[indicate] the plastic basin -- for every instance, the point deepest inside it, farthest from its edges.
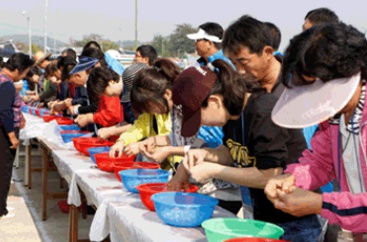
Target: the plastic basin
(220, 229)
(136, 165)
(249, 239)
(77, 141)
(25, 109)
(32, 110)
(107, 163)
(64, 120)
(68, 135)
(95, 150)
(42, 112)
(49, 118)
(70, 127)
(93, 142)
(148, 189)
(134, 177)
(181, 209)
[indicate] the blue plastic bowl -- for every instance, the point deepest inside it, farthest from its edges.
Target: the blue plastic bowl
(44, 112)
(25, 109)
(70, 127)
(33, 111)
(96, 150)
(68, 135)
(134, 177)
(182, 209)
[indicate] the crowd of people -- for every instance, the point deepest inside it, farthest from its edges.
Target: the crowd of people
(248, 124)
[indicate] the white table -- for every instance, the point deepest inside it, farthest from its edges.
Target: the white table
(120, 213)
(34, 127)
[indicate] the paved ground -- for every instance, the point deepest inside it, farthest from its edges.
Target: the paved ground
(25, 222)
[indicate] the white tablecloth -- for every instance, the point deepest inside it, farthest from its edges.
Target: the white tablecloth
(120, 213)
(141, 224)
(34, 127)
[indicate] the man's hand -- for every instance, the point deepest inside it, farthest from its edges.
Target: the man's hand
(299, 203)
(285, 183)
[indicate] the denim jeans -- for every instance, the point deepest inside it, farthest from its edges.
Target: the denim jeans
(307, 229)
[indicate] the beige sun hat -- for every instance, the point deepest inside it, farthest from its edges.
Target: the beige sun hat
(40, 56)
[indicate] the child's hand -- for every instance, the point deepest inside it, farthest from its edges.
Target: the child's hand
(204, 171)
(159, 155)
(147, 146)
(194, 157)
(117, 148)
(105, 132)
(132, 149)
(84, 119)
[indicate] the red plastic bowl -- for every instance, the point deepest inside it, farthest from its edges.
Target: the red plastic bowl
(64, 120)
(49, 118)
(136, 165)
(77, 142)
(252, 239)
(64, 206)
(107, 163)
(148, 189)
(93, 142)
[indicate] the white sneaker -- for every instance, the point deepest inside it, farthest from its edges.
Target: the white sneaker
(10, 209)
(9, 215)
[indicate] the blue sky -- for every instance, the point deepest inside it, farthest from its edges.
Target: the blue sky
(115, 19)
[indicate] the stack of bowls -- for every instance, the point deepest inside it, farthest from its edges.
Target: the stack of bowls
(148, 189)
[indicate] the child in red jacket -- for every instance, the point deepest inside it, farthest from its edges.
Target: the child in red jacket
(105, 85)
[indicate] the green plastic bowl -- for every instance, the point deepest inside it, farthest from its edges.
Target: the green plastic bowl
(220, 229)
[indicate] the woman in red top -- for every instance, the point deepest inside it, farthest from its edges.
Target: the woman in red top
(105, 85)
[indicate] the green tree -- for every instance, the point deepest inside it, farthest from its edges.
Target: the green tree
(105, 44)
(179, 43)
(161, 44)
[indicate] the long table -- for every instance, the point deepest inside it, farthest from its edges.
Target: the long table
(120, 214)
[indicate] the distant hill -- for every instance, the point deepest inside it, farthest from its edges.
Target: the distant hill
(38, 40)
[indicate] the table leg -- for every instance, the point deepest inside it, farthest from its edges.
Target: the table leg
(44, 183)
(28, 166)
(73, 223)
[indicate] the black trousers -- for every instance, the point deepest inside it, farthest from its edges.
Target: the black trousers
(7, 156)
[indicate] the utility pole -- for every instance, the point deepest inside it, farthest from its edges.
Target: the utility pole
(45, 35)
(136, 24)
(29, 34)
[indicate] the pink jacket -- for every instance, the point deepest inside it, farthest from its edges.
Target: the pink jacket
(320, 166)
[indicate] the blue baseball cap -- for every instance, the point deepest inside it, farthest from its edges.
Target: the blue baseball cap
(84, 63)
